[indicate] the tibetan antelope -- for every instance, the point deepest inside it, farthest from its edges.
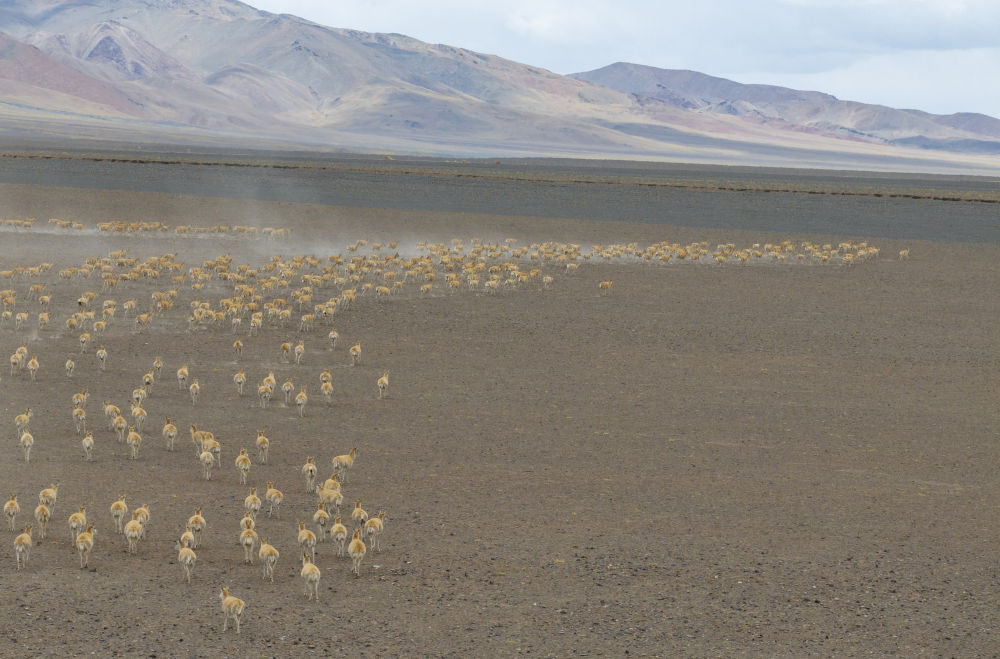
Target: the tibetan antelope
(207, 461)
(42, 515)
(264, 391)
(248, 540)
(80, 419)
(169, 434)
(197, 524)
(22, 547)
(187, 538)
(356, 550)
(88, 446)
(332, 483)
(307, 540)
(134, 441)
(310, 575)
(268, 557)
(240, 380)
(342, 463)
(120, 426)
(85, 544)
(11, 510)
(243, 465)
(263, 444)
(300, 400)
(338, 532)
(321, 519)
(252, 503)
(80, 398)
(187, 558)
(274, 497)
(359, 515)
(373, 530)
(329, 497)
(27, 441)
(15, 363)
(49, 495)
(110, 412)
(139, 395)
(232, 607)
(77, 522)
(138, 416)
(22, 421)
(309, 472)
(118, 511)
(143, 514)
(133, 532)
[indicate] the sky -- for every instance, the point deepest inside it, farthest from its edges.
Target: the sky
(940, 56)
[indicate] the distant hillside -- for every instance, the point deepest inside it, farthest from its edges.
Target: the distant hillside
(209, 70)
(30, 76)
(698, 92)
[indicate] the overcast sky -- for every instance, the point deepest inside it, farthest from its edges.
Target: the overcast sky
(941, 56)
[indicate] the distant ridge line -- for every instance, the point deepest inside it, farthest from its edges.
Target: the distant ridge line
(221, 74)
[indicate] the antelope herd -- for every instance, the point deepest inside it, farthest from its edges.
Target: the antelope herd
(265, 304)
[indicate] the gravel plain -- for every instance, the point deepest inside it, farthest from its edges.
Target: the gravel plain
(776, 459)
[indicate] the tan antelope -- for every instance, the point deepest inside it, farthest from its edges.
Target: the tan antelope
(232, 607)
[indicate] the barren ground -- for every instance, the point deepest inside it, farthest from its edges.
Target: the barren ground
(767, 460)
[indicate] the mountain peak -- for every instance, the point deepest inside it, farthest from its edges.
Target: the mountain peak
(808, 109)
(221, 64)
(30, 76)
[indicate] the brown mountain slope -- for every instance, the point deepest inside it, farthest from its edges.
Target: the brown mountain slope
(222, 65)
(29, 75)
(703, 93)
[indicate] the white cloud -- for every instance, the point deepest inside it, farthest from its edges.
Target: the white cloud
(555, 22)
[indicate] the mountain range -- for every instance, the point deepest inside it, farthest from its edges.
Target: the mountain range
(222, 72)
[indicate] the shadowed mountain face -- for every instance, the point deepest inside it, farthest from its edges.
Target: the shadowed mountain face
(209, 70)
(29, 76)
